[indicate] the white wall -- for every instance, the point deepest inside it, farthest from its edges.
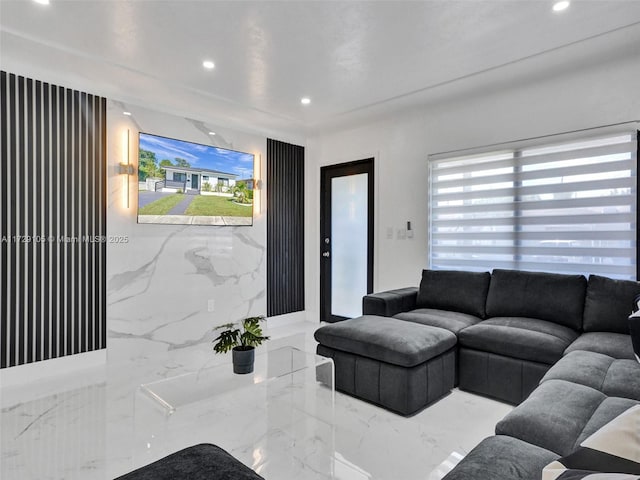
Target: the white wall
(160, 278)
(572, 100)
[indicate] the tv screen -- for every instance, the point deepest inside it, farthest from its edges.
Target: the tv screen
(184, 183)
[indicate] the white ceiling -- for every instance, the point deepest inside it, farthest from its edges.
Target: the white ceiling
(353, 59)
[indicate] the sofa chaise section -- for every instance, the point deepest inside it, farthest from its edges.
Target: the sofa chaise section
(533, 318)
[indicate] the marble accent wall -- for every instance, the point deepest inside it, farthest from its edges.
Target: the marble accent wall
(161, 279)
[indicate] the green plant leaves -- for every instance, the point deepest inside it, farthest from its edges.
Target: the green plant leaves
(226, 340)
(251, 335)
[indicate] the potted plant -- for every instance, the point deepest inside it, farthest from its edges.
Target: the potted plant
(241, 338)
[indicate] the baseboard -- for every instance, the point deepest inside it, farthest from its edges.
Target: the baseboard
(287, 319)
(46, 369)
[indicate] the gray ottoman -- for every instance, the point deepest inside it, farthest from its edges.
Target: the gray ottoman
(399, 365)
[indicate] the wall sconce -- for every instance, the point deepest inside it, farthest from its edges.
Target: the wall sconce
(125, 168)
(257, 185)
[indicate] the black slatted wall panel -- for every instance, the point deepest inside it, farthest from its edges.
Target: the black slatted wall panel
(285, 228)
(53, 220)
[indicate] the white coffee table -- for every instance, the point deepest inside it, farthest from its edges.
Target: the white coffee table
(290, 364)
(278, 420)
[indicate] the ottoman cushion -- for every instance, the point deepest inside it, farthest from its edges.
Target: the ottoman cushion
(199, 462)
(386, 339)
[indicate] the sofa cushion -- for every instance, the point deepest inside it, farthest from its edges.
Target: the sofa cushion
(502, 458)
(456, 291)
(558, 415)
(614, 449)
(548, 296)
(613, 377)
(452, 321)
(616, 345)
(387, 339)
(517, 337)
(553, 416)
(608, 304)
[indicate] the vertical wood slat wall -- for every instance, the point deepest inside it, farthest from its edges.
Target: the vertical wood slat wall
(53, 221)
(285, 228)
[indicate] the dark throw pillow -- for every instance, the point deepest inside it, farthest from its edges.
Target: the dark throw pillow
(608, 304)
(634, 327)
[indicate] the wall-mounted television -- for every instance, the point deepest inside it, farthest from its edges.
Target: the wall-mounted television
(185, 183)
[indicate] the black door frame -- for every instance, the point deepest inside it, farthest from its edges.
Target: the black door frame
(326, 174)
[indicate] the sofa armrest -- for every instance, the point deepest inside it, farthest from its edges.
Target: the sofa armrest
(391, 302)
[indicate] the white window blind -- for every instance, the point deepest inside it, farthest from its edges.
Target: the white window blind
(565, 207)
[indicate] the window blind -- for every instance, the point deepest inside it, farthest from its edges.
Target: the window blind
(566, 207)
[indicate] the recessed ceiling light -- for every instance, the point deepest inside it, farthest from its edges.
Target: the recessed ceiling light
(208, 64)
(560, 6)
(305, 100)
(128, 114)
(212, 133)
(42, 2)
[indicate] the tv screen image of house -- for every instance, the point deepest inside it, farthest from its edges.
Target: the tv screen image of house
(185, 183)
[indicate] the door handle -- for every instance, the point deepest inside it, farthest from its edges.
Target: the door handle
(326, 254)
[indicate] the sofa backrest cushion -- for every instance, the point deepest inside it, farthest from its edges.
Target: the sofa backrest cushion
(553, 297)
(609, 303)
(455, 291)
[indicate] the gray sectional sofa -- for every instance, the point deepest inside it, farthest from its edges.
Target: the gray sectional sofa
(512, 326)
(557, 346)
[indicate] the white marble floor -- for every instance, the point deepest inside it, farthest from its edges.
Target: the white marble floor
(94, 425)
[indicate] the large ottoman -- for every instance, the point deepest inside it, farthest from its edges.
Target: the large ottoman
(399, 365)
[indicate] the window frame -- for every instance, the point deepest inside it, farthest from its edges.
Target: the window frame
(517, 154)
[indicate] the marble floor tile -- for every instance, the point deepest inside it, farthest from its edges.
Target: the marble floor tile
(95, 425)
